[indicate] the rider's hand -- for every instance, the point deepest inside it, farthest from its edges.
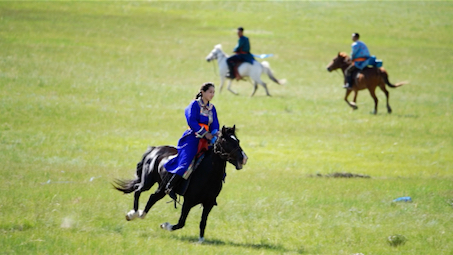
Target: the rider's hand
(208, 136)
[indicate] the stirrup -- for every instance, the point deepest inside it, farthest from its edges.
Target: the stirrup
(172, 194)
(347, 86)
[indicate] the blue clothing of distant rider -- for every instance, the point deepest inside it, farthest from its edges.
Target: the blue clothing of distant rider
(360, 56)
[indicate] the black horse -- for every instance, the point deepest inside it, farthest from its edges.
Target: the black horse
(205, 182)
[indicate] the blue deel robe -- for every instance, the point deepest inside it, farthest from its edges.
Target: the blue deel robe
(187, 147)
(360, 50)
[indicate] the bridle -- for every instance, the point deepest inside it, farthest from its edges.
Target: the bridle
(224, 154)
(213, 58)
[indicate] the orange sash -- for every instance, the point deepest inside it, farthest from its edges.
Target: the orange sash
(358, 60)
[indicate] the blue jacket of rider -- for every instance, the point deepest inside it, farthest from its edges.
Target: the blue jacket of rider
(242, 49)
(360, 51)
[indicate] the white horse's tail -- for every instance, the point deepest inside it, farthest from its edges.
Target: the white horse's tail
(268, 70)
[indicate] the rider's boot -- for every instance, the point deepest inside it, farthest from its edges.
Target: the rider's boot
(175, 179)
(230, 74)
(348, 84)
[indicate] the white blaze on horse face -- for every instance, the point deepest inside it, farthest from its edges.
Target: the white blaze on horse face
(244, 161)
(234, 137)
(210, 56)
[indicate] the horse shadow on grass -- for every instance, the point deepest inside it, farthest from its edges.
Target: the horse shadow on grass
(260, 246)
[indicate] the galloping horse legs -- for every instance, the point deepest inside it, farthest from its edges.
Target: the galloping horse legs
(222, 81)
(356, 92)
(184, 213)
(346, 99)
(204, 218)
(255, 87)
(229, 87)
(156, 196)
(136, 199)
(387, 95)
(133, 214)
(373, 95)
(264, 86)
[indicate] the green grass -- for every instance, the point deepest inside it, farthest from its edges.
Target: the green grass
(85, 87)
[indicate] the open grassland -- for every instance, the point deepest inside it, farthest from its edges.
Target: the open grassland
(86, 87)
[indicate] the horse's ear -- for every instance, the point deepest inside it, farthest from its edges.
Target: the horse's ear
(223, 130)
(234, 128)
(339, 53)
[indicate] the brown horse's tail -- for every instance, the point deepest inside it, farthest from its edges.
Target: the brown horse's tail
(385, 76)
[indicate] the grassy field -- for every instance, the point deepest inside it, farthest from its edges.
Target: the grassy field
(85, 87)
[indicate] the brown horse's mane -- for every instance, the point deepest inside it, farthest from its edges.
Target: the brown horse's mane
(344, 55)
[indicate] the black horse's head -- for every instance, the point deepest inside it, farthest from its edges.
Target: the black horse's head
(228, 148)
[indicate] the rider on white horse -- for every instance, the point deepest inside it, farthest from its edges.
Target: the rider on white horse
(242, 51)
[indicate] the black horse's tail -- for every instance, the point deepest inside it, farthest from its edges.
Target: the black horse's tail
(126, 186)
(129, 186)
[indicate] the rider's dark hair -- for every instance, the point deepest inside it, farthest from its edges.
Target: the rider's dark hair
(241, 28)
(204, 88)
(356, 35)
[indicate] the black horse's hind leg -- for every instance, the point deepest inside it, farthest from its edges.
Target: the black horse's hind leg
(389, 109)
(156, 196)
(136, 199)
(204, 218)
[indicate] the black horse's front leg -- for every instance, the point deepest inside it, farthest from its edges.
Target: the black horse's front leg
(182, 219)
(204, 218)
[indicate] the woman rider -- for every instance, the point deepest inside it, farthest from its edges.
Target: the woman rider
(203, 124)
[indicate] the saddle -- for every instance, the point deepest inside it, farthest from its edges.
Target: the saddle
(355, 74)
(181, 188)
(236, 65)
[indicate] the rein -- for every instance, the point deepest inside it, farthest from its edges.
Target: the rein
(214, 65)
(223, 154)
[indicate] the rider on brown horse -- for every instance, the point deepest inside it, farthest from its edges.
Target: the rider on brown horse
(360, 56)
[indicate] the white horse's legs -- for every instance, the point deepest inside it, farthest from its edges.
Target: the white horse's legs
(132, 215)
(255, 87)
(229, 87)
(222, 81)
(264, 86)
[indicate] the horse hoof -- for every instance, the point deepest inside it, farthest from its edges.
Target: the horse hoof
(131, 215)
(166, 226)
(141, 214)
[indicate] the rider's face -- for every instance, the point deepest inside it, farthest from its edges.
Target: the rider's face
(208, 94)
(240, 33)
(354, 38)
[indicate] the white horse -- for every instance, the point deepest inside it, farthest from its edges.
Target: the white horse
(245, 69)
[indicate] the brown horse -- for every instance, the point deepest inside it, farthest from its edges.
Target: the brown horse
(368, 78)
